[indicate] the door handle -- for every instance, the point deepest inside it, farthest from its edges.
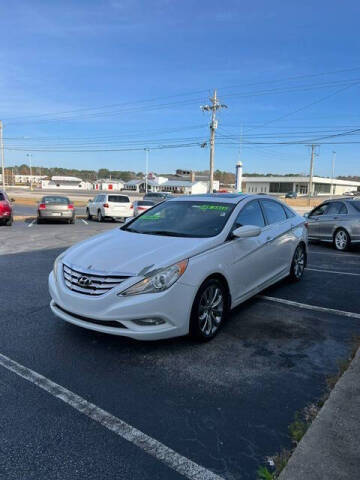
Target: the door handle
(269, 239)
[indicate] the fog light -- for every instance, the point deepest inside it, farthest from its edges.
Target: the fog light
(149, 321)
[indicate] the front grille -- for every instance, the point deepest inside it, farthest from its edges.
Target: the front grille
(90, 284)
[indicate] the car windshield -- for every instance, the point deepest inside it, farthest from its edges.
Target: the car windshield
(183, 219)
(55, 200)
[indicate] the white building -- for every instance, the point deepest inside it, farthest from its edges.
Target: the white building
(109, 185)
(163, 184)
(65, 183)
(281, 185)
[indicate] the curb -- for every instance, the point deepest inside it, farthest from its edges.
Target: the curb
(330, 448)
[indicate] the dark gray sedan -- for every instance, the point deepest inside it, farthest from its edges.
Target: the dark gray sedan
(336, 221)
(55, 207)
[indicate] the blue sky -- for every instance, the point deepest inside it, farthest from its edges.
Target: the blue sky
(133, 73)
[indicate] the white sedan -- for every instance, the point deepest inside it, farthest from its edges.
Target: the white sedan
(179, 267)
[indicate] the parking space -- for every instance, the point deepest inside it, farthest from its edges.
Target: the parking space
(223, 405)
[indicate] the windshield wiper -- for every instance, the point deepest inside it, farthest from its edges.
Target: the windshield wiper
(167, 233)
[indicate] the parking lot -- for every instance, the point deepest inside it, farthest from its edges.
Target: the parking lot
(223, 406)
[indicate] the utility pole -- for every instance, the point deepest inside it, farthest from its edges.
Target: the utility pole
(29, 155)
(333, 172)
(2, 155)
(311, 172)
(146, 168)
(215, 105)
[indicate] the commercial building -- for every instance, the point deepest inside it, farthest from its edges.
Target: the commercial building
(66, 183)
(281, 185)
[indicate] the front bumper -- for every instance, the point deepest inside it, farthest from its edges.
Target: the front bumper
(103, 313)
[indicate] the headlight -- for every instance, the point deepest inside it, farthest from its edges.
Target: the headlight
(56, 264)
(158, 281)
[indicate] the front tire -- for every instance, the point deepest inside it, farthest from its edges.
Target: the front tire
(9, 221)
(341, 240)
(209, 310)
(298, 264)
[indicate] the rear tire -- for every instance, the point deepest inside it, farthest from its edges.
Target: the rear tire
(341, 240)
(72, 221)
(298, 264)
(9, 221)
(88, 216)
(39, 220)
(99, 216)
(209, 310)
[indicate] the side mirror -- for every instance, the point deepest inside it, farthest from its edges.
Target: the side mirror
(306, 215)
(127, 220)
(246, 231)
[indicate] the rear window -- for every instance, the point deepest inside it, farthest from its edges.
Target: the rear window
(55, 200)
(274, 211)
(144, 203)
(2, 198)
(118, 199)
(356, 205)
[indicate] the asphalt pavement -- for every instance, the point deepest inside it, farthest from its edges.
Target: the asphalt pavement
(224, 405)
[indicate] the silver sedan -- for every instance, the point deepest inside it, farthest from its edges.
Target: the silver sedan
(337, 222)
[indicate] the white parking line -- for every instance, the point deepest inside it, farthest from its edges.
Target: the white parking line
(86, 223)
(32, 223)
(332, 271)
(311, 307)
(161, 452)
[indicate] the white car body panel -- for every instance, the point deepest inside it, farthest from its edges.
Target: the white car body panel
(247, 264)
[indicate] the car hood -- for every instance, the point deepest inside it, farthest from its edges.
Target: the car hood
(124, 252)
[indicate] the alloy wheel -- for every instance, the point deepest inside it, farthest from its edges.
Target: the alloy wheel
(211, 310)
(341, 240)
(299, 262)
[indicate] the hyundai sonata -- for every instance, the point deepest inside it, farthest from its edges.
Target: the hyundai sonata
(179, 267)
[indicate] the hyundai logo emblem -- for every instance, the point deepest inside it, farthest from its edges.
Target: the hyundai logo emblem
(84, 281)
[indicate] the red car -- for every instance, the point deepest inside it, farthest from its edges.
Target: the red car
(6, 213)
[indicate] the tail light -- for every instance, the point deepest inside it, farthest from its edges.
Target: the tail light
(141, 208)
(306, 225)
(71, 206)
(106, 205)
(42, 206)
(131, 207)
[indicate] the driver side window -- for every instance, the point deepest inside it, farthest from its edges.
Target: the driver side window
(319, 210)
(250, 214)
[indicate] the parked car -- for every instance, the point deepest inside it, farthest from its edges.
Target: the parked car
(180, 267)
(55, 207)
(109, 206)
(337, 222)
(140, 206)
(350, 193)
(158, 196)
(291, 195)
(6, 211)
